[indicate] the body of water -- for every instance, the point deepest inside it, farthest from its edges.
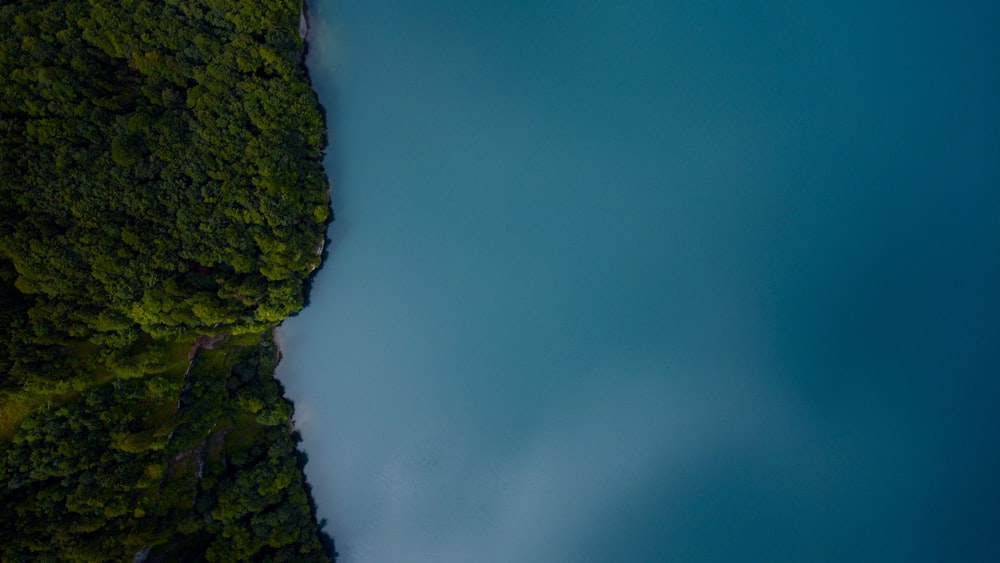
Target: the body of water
(656, 281)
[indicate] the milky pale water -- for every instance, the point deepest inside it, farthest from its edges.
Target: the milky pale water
(656, 281)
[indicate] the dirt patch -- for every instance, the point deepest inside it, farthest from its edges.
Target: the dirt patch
(206, 342)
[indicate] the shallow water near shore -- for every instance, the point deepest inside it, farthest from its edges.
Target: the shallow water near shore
(652, 282)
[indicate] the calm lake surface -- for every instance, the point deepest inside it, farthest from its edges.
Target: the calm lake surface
(656, 281)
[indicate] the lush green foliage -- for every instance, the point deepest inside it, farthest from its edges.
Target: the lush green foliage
(196, 467)
(159, 165)
(160, 181)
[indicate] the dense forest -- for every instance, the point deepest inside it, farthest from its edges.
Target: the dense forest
(162, 206)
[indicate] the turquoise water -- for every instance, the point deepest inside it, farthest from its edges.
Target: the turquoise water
(656, 281)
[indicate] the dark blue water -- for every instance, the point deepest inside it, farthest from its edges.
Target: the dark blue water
(656, 281)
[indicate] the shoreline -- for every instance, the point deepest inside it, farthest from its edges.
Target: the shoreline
(302, 457)
(303, 22)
